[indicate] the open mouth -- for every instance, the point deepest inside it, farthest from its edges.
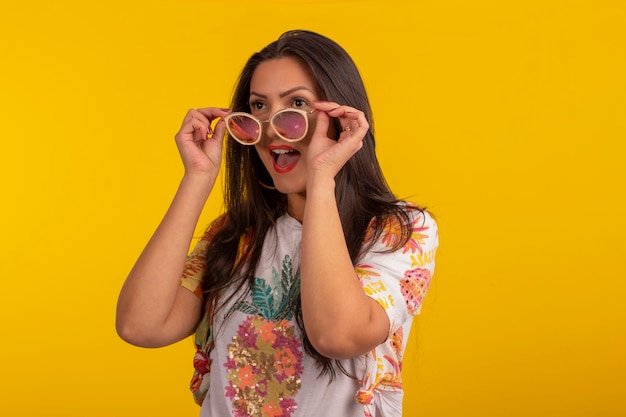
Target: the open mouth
(285, 159)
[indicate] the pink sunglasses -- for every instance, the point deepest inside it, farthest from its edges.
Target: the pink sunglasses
(291, 125)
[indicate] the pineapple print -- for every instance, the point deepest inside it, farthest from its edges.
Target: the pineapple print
(414, 286)
(265, 357)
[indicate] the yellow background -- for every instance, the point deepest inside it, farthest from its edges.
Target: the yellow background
(505, 118)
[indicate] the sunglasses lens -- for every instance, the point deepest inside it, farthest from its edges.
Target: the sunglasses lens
(244, 129)
(290, 125)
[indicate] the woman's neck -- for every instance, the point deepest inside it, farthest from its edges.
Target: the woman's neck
(295, 205)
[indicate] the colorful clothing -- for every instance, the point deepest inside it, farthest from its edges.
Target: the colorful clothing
(251, 362)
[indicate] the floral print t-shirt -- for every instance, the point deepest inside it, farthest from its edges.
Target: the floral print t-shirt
(252, 362)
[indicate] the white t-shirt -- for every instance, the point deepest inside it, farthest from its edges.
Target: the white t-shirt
(258, 366)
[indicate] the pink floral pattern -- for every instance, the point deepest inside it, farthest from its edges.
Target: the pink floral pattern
(264, 369)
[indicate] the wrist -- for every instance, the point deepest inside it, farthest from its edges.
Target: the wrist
(317, 185)
(200, 182)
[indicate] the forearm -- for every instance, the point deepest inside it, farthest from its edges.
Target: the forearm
(148, 298)
(339, 318)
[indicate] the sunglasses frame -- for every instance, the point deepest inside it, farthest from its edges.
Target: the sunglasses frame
(304, 113)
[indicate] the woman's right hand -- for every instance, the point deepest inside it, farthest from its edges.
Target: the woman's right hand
(199, 145)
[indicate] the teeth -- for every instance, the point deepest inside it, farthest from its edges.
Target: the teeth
(281, 151)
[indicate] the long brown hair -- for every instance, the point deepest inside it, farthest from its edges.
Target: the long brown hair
(362, 193)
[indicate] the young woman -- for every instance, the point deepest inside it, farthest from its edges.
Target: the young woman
(301, 295)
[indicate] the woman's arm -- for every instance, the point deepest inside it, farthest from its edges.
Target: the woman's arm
(153, 309)
(341, 321)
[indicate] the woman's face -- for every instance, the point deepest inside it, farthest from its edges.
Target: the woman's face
(278, 84)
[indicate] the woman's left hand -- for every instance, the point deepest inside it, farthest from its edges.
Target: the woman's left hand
(326, 155)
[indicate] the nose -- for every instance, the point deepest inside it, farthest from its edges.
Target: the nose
(268, 133)
(267, 130)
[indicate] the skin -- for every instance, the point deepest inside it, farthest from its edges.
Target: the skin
(153, 310)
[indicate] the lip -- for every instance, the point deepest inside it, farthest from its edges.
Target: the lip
(286, 168)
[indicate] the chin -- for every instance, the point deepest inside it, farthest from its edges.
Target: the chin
(289, 187)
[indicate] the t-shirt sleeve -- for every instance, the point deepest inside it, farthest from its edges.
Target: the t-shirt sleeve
(195, 266)
(399, 280)
(196, 261)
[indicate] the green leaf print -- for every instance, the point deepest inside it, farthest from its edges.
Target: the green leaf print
(247, 308)
(290, 287)
(262, 297)
(287, 280)
(273, 301)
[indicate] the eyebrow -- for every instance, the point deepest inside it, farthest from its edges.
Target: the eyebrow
(286, 93)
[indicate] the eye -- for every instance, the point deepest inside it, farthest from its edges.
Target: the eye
(257, 105)
(300, 102)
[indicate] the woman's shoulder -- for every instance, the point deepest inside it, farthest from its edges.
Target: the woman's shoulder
(405, 214)
(214, 228)
(401, 225)
(421, 216)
